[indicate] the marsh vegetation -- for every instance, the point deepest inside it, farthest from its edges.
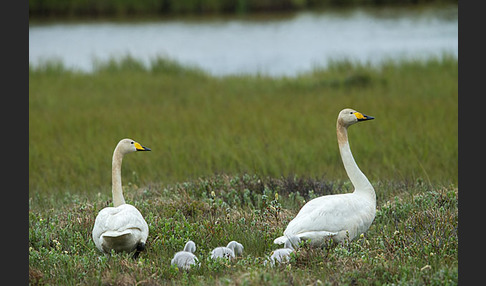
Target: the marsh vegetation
(222, 149)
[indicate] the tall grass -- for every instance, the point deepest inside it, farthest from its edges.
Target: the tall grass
(198, 125)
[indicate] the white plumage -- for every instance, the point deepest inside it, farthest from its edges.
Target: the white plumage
(229, 252)
(340, 216)
(186, 258)
(282, 255)
(121, 227)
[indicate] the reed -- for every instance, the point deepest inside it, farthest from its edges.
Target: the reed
(199, 125)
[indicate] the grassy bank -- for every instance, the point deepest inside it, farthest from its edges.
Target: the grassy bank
(124, 8)
(413, 240)
(198, 125)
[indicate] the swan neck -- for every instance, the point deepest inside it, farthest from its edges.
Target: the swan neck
(116, 187)
(358, 179)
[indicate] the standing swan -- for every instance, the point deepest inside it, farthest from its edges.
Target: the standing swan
(121, 227)
(340, 216)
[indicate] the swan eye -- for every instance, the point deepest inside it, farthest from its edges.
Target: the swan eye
(351, 112)
(131, 142)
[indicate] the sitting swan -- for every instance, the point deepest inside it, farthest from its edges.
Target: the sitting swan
(229, 252)
(339, 216)
(186, 258)
(121, 227)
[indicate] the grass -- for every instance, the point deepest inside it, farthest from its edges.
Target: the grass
(198, 125)
(413, 239)
(222, 147)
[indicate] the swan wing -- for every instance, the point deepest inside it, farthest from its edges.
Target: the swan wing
(330, 215)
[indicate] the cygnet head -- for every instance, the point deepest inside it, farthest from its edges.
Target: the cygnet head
(127, 145)
(348, 117)
(190, 246)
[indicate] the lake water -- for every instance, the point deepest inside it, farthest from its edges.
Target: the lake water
(279, 45)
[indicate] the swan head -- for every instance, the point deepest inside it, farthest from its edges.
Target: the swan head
(127, 145)
(348, 117)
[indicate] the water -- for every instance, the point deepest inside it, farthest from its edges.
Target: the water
(275, 46)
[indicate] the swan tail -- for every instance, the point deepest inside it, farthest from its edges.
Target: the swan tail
(120, 241)
(113, 234)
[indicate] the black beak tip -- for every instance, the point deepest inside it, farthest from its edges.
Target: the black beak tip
(366, 117)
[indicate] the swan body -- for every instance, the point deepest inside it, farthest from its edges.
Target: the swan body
(229, 252)
(282, 255)
(186, 258)
(121, 227)
(339, 216)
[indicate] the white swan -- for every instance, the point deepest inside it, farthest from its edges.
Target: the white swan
(340, 216)
(186, 258)
(121, 227)
(282, 255)
(229, 252)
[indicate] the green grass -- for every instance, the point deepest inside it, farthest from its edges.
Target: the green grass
(413, 239)
(244, 138)
(198, 125)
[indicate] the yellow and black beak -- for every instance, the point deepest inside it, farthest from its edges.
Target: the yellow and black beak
(140, 147)
(362, 117)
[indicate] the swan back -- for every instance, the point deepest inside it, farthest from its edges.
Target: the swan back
(185, 259)
(119, 228)
(222, 252)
